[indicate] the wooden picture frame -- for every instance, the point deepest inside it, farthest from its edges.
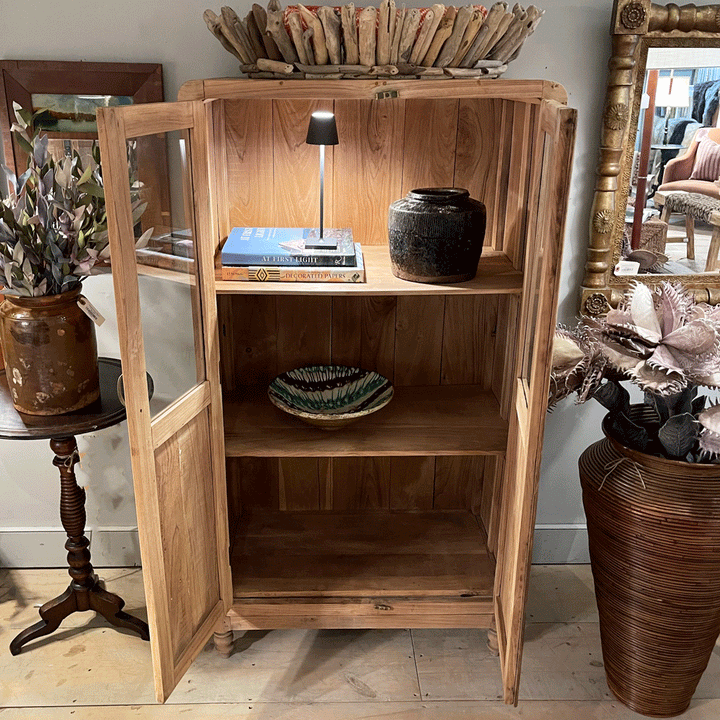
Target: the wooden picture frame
(134, 82)
(21, 79)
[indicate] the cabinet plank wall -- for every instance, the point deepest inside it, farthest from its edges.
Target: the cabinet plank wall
(387, 148)
(248, 147)
(414, 341)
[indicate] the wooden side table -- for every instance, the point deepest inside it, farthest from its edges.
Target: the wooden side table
(85, 591)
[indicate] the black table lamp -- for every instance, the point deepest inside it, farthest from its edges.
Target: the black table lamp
(322, 131)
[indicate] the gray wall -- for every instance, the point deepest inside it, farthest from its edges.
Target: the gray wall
(571, 46)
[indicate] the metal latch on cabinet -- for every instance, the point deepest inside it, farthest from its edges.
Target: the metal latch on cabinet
(386, 94)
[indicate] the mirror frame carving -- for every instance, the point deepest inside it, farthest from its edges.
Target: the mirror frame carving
(637, 25)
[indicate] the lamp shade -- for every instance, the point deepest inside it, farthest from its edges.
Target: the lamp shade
(322, 129)
(673, 92)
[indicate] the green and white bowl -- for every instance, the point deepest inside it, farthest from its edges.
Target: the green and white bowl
(330, 396)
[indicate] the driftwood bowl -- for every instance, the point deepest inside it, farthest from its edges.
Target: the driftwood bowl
(351, 43)
(330, 396)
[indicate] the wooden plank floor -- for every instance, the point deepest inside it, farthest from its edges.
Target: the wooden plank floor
(88, 671)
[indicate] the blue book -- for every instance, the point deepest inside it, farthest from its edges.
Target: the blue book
(286, 246)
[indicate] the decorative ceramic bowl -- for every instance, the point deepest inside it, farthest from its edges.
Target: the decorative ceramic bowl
(330, 396)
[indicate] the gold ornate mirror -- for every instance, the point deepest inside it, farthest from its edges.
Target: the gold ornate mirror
(656, 210)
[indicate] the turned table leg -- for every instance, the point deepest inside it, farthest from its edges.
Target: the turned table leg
(85, 591)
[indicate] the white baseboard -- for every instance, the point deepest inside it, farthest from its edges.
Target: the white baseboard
(45, 547)
(119, 547)
(560, 545)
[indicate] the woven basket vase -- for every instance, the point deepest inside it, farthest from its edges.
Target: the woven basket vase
(655, 554)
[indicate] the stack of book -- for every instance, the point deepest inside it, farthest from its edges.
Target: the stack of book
(281, 255)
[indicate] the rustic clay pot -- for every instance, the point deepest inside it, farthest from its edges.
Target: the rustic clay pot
(654, 535)
(50, 353)
(436, 235)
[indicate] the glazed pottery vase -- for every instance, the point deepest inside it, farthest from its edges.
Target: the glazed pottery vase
(50, 353)
(654, 535)
(436, 235)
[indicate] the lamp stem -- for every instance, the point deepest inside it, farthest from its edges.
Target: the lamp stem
(322, 186)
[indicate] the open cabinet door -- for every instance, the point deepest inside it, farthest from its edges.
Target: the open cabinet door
(167, 327)
(552, 158)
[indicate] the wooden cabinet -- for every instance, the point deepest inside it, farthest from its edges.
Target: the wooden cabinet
(421, 515)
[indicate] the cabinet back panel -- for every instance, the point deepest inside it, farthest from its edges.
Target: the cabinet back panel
(249, 161)
(387, 147)
(431, 128)
(412, 340)
(361, 483)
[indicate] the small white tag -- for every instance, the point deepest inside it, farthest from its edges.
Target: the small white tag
(627, 267)
(91, 311)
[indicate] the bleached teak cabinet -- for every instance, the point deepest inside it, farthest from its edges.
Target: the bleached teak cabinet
(418, 516)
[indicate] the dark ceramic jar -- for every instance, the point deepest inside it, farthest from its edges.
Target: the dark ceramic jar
(436, 235)
(50, 353)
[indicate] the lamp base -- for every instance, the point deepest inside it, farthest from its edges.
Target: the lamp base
(330, 239)
(321, 243)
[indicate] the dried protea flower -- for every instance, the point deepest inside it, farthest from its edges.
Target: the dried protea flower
(710, 434)
(666, 344)
(577, 365)
(658, 341)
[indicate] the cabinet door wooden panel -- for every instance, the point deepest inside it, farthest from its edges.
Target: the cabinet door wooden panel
(177, 438)
(552, 158)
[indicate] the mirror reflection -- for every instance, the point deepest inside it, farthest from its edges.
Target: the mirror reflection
(672, 219)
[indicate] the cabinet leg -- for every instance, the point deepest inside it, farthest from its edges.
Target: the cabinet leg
(224, 642)
(492, 642)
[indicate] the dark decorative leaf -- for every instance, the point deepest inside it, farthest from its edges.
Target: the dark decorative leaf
(614, 397)
(667, 406)
(698, 404)
(679, 435)
(628, 433)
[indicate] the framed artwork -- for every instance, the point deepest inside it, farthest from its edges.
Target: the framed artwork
(69, 93)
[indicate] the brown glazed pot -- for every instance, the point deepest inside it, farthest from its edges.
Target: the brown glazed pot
(50, 353)
(655, 554)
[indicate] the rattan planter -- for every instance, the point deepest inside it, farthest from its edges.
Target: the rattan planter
(655, 554)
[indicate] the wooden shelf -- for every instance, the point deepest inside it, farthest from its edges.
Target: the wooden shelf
(365, 569)
(433, 420)
(496, 276)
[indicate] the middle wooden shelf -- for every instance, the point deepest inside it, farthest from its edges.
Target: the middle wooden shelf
(419, 420)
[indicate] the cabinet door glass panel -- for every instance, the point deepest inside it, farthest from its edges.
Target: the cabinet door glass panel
(167, 270)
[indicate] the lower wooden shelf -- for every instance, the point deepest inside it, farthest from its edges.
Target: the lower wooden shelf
(375, 569)
(429, 420)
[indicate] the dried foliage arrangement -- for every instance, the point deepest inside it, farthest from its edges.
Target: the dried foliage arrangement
(349, 42)
(53, 224)
(666, 344)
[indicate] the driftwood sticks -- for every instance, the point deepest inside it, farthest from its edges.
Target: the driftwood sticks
(440, 41)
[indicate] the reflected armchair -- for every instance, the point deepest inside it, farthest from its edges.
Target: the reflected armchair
(690, 172)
